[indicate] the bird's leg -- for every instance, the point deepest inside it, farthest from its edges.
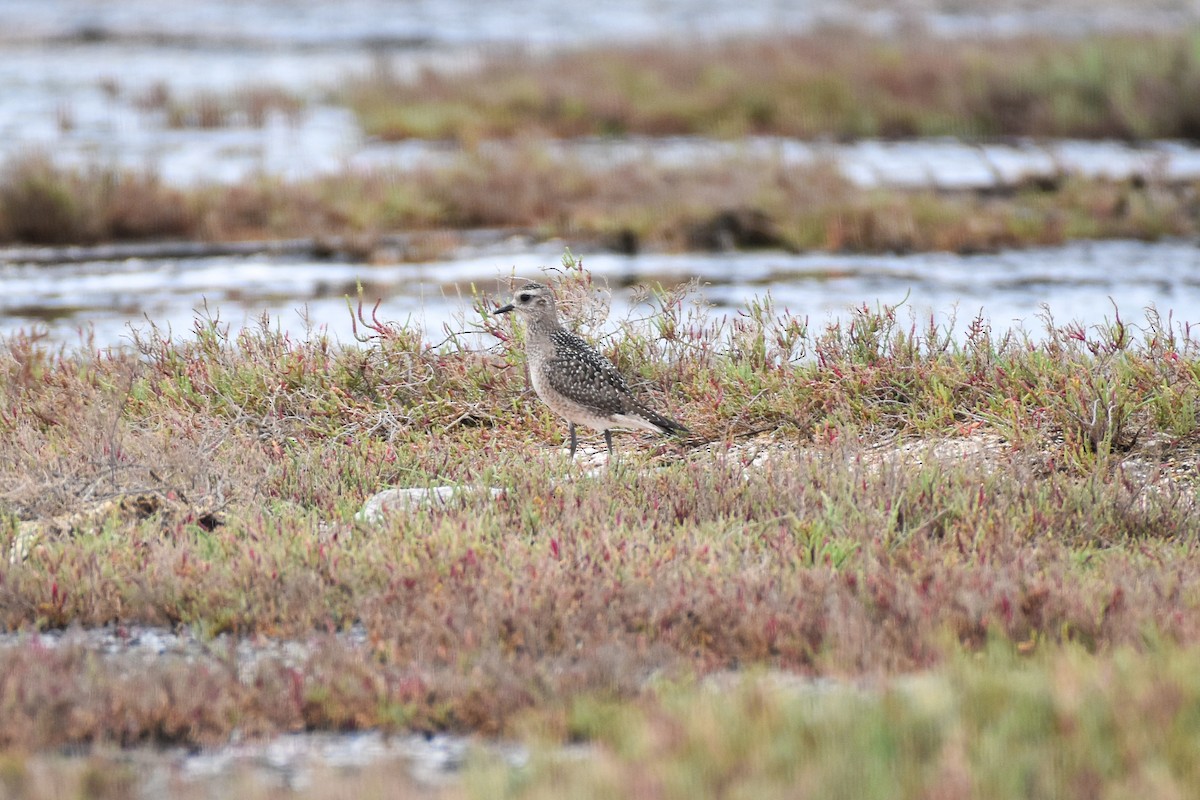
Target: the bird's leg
(572, 427)
(608, 441)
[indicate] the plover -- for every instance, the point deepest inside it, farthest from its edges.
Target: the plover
(576, 382)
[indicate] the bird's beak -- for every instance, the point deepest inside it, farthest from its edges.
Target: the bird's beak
(504, 309)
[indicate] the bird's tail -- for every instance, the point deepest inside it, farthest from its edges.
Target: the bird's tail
(664, 424)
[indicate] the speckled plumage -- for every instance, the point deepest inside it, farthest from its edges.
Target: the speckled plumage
(576, 382)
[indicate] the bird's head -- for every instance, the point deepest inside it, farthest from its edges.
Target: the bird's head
(532, 301)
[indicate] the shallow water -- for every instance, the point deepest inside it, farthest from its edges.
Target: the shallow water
(83, 110)
(75, 76)
(285, 22)
(1081, 282)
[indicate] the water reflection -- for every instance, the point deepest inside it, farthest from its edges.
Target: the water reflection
(1079, 282)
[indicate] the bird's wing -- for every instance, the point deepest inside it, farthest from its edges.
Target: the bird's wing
(581, 374)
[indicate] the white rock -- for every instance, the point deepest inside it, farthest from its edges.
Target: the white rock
(400, 500)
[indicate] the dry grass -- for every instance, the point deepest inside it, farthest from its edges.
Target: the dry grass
(744, 202)
(42, 204)
(1071, 725)
(250, 106)
(1059, 724)
(840, 84)
(837, 84)
(825, 557)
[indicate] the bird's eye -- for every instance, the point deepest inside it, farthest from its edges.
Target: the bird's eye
(524, 298)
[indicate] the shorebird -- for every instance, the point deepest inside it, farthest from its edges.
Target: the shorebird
(576, 382)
